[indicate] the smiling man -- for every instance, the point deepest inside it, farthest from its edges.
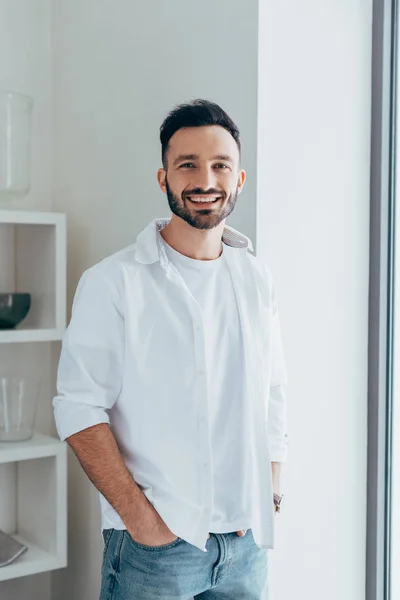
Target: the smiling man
(171, 385)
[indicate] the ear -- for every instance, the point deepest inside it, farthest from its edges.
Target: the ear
(162, 176)
(241, 180)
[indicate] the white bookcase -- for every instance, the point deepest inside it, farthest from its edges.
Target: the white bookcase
(33, 474)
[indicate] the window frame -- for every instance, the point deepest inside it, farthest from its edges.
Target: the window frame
(381, 299)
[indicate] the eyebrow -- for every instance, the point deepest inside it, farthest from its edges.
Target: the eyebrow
(183, 157)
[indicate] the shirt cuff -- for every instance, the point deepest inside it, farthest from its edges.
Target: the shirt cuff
(278, 449)
(71, 417)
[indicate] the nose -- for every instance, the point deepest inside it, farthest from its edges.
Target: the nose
(206, 180)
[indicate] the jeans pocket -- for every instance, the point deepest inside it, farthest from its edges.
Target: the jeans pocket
(152, 548)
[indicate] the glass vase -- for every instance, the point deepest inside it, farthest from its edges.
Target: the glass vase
(15, 144)
(18, 404)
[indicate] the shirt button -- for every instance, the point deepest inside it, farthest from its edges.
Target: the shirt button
(201, 373)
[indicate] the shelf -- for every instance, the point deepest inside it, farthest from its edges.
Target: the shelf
(12, 336)
(35, 560)
(31, 217)
(33, 503)
(33, 260)
(39, 446)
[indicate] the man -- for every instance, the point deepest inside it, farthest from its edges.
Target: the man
(171, 385)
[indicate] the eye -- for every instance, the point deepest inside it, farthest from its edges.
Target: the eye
(221, 166)
(187, 165)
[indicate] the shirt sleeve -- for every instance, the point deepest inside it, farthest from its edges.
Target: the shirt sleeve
(90, 369)
(277, 412)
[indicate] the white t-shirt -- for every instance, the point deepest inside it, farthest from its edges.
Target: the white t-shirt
(211, 286)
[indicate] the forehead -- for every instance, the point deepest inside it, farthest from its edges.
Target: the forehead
(204, 141)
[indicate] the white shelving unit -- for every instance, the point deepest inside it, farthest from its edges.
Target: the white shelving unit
(35, 503)
(33, 474)
(33, 259)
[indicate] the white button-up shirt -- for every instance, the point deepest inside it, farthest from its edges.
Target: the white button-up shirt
(133, 356)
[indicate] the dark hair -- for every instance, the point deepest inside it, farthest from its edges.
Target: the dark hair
(197, 113)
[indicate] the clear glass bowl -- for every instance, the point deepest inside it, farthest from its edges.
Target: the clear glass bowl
(18, 404)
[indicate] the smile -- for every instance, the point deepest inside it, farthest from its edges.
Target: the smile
(203, 199)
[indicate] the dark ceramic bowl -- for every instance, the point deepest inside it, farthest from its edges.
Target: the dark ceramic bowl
(13, 309)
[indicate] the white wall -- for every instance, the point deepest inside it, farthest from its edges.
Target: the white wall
(313, 227)
(25, 60)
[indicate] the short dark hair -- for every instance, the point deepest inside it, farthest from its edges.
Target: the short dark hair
(196, 113)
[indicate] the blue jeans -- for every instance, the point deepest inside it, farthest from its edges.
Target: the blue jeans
(233, 568)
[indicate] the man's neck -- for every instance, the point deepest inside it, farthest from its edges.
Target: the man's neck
(200, 244)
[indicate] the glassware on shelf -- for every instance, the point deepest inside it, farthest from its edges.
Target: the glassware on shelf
(18, 404)
(15, 146)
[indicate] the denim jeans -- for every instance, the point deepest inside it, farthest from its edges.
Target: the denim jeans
(233, 568)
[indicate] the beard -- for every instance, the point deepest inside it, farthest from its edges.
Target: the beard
(206, 218)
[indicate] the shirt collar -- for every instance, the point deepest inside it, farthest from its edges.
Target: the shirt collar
(148, 243)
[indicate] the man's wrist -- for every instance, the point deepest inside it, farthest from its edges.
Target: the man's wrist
(144, 515)
(276, 469)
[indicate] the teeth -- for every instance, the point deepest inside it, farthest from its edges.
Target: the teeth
(202, 200)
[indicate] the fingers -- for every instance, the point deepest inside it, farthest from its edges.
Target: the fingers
(240, 533)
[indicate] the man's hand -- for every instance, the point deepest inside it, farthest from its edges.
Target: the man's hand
(156, 534)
